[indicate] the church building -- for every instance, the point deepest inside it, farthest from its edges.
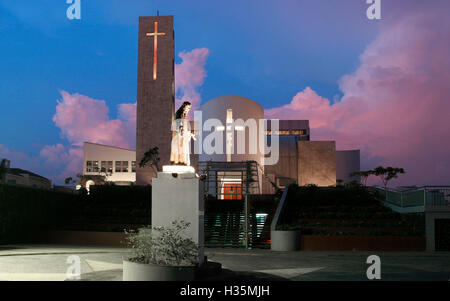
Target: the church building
(274, 153)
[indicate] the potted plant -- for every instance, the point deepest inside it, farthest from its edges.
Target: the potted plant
(285, 238)
(161, 254)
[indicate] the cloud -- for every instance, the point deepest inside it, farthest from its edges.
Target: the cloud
(189, 76)
(82, 118)
(15, 156)
(395, 106)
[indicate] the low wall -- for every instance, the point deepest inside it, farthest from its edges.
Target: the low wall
(84, 238)
(362, 243)
(307, 242)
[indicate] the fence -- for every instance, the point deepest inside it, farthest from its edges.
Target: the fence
(417, 196)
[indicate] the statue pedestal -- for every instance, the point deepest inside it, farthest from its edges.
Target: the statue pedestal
(177, 194)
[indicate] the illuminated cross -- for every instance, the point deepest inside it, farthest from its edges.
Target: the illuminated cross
(155, 47)
(230, 128)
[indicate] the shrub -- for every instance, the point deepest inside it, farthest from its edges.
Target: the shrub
(163, 246)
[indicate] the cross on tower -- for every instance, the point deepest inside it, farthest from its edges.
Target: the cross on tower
(155, 47)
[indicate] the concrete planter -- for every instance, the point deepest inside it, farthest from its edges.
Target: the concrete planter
(284, 240)
(148, 272)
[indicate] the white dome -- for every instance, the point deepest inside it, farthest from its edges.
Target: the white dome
(241, 108)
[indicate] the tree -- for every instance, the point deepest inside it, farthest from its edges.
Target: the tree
(3, 171)
(387, 174)
(363, 174)
(152, 158)
(82, 179)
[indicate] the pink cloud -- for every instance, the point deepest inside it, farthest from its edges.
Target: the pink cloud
(189, 76)
(16, 156)
(82, 118)
(395, 105)
(54, 153)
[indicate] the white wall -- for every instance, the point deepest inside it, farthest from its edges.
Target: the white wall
(98, 152)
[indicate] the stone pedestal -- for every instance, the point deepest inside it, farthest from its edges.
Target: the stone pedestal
(177, 194)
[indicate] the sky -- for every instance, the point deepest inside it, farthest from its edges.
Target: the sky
(376, 85)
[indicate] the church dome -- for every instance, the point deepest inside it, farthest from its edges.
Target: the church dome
(231, 108)
(242, 106)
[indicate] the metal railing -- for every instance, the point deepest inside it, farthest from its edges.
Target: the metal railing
(417, 196)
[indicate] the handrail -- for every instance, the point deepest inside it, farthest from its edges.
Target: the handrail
(418, 196)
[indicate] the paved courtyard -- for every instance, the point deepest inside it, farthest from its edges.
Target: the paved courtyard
(44, 262)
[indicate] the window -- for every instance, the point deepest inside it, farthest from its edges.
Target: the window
(121, 166)
(88, 166)
(133, 166)
(95, 164)
(103, 166)
(268, 133)
(118, 166)
(106, 167)
(124, 166)
(281, 133)
(298, 132)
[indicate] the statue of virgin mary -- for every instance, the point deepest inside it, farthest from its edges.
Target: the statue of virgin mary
(181, 141)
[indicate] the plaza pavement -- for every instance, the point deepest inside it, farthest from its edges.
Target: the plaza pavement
(49, 262)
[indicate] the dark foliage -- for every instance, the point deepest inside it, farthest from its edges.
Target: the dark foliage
(344, 210)
(26, 211)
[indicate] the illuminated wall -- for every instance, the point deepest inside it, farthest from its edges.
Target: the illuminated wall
(317, 163)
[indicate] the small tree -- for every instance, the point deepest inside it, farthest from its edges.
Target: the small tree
(99, 179)
(151, 157)
(3, 171)
(387, 174)
(364, 175)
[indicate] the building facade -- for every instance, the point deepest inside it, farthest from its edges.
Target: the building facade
(238, 165)
(117, 165)
(18, 176)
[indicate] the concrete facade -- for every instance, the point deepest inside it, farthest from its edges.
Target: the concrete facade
(155, 92)
(285, 171)
(317, 163)
(179, 198)
(347, 161)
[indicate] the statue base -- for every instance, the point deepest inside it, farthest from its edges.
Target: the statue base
(177, 194)
(178, 169)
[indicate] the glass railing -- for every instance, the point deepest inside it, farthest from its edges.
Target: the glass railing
(420, 196)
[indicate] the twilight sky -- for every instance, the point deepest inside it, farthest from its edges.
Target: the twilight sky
(381, 86)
